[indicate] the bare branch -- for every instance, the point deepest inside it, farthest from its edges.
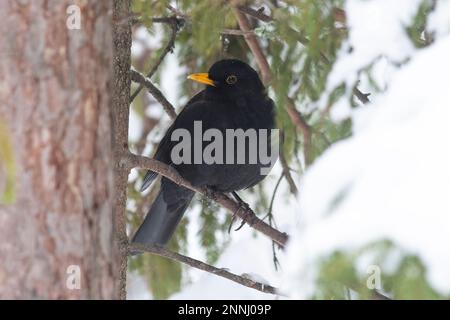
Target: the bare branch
(130, 160)
(177, 12)
(254, 46)
(155, 92)
(173, 23)
(161, 251)
(257, 14)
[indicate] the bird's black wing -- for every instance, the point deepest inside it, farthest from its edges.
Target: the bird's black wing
(165, 145)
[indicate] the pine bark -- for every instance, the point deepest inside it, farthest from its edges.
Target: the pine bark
(55, 99)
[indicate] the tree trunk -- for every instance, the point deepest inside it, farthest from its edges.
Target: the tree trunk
(55, 103)
(120, 112)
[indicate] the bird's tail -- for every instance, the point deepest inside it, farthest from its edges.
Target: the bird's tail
(164, 215)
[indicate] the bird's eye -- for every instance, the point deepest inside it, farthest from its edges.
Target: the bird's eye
(231, 79)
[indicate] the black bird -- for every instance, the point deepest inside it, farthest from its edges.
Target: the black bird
(234, 98)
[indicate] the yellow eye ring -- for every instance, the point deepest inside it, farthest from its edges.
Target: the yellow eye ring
(231, 79)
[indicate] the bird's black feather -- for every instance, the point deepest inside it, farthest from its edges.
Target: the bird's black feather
(241, 105)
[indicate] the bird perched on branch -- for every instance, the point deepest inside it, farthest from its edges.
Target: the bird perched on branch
(234, 99)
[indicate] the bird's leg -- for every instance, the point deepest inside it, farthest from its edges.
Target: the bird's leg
(240, 226)
(237, 198)
(211, 193)
(242, 206)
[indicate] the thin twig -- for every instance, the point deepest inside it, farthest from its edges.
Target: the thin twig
(269, 214)
(305, 129)
(173, 23)
(287, 172)
(161, 251)
(130, 160)
(168, 20)
(155, 92)
(235, 32)
(177, 12)
(286, 169)
(272, 199)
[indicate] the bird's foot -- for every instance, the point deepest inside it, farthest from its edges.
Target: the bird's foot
(210, 193)
(243, 207)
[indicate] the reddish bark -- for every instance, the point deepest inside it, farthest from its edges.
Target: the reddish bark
(55, 100)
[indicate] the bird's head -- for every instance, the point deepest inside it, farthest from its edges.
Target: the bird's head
(230, 78)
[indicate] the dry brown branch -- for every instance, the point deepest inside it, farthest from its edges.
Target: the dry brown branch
(254, 46)
(245, 281)
(154, 91)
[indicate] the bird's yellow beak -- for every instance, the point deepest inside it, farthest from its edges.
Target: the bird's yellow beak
(202, 78)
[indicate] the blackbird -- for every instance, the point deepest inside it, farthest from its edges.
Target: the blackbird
(234, 98)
